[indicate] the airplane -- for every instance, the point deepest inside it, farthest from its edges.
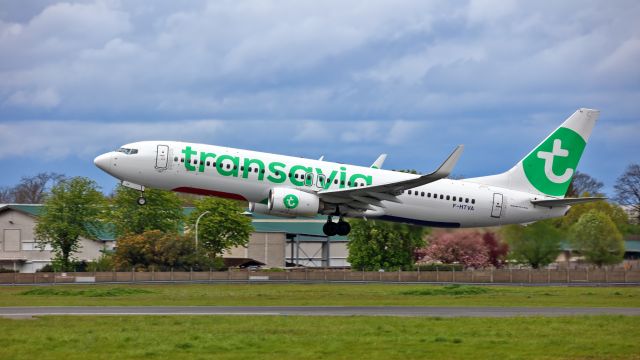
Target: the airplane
(534, 189)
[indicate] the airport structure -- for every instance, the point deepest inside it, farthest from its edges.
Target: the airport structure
(275, 242)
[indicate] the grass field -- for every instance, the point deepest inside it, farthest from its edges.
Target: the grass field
(317, 294)
(267, 337)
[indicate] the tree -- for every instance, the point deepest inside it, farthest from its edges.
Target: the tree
(377, 245)
(30, 190)
(628, 189)
(161, 212)
(223, 227)
(159, 250)
(597, 238)
(613, 211)
(537, 244)
(74, 209)
(6, 195)
(464, 247)
(496, 249)
(583, 183)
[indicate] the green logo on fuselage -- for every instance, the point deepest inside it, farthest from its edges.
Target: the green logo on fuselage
(290, 201)
(275, 172)
(550, 167)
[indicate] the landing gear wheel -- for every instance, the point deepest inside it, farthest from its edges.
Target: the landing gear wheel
(343, 228)
(330, 228)
(142, 200)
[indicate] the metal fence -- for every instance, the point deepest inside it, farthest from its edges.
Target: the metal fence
(504, 276)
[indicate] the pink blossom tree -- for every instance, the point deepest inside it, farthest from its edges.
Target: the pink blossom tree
(465, 247)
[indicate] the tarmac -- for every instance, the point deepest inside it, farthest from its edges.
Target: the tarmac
(407, 311)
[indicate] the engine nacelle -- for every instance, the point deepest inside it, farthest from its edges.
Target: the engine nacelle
(264, 209)
(293, 202)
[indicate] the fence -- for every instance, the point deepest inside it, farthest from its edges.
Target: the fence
(504, 276)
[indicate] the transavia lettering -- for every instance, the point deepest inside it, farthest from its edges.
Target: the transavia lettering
(274, 172)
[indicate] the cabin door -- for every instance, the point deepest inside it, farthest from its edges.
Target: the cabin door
(496, 209)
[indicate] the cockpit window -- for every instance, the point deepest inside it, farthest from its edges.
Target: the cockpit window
(128, 151)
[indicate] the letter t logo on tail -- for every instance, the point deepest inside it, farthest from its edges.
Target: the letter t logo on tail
(548, 162)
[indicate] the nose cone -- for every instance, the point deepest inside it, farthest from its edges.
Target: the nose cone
(104, 162)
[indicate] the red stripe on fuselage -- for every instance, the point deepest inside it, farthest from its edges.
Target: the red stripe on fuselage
(196, 191)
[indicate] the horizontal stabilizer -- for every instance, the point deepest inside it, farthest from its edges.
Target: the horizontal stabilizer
(566, 201)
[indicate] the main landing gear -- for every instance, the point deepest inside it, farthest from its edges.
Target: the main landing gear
(341, 228)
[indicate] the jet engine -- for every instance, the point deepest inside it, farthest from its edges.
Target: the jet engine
(293, 202)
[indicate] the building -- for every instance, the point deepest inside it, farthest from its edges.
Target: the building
(18, 250)
(276, 242)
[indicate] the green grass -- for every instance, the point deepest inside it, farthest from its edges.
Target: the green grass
(92, 292)
(451, 290)
(290, 337)
(317, 294)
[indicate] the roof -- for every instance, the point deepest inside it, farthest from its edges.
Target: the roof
(629, 246)
(310, 227)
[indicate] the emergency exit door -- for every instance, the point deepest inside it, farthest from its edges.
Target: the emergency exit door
(162, 157)
(496, 210)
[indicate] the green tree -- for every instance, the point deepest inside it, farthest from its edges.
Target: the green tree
(377, 245)
(163, 211)
(597, 238)
(537, 244)
(159, 250)
(73, 209)
(613, 211)
(223, 227)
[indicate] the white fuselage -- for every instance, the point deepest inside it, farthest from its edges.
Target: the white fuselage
(249, 175)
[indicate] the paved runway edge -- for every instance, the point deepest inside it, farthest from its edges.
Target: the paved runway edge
(412, 311)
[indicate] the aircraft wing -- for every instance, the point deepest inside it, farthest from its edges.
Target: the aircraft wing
(566, 201)
(364, 197)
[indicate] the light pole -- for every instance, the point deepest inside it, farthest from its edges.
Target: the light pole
(197, 221)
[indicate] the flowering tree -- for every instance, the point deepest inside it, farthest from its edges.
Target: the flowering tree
(464, 247)
(497, 249)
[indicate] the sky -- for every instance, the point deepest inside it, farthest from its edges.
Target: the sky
(347, 80)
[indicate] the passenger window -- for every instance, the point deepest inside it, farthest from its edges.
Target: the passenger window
(335, 181)
(262, 171)
(415, 192)
(175, 159)
(208, 163)
(448, 197)
(409, 192)
(255, 170)
(181, 160)
(441, 196)
(466, 200)
(454, 198)
(429, 195)
(341, 182)
(242, 168)
(422, 194)
(214, 164)
(228, 166)
(473, 201)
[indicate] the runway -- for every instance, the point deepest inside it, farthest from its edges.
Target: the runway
(410, 311)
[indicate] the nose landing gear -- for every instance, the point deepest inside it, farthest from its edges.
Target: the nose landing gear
(341, 228)
(142, 200)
